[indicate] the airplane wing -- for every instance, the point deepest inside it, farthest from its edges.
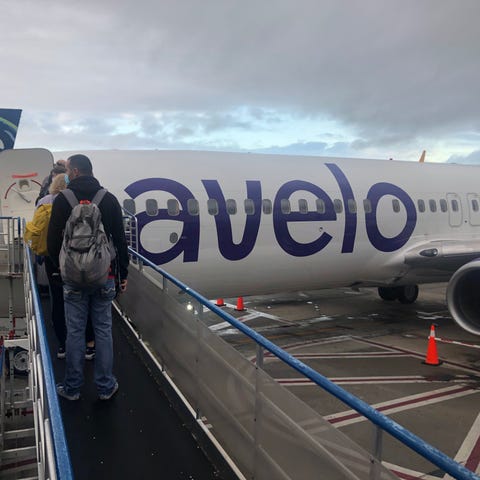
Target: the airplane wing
(444, 255)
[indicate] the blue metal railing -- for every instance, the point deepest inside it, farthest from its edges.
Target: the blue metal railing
(62, 457)
(2, 357)
(408, 438)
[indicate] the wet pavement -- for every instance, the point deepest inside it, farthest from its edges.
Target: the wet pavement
(376, 350)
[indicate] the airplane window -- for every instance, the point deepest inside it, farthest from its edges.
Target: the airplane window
(320, 205)
(173, 207)
(396, 205)
(338, 205)
(421, 206)
(267, 206)
(367, 205)
(443, 205)
(433, 205)
(285, 205)
(475, 205)
(302, 206)
(192, 206)
(129, 205)
(249, 206)
(212, 205)
(455, 207)
(352, 205)
(151, 206)
(231, 206)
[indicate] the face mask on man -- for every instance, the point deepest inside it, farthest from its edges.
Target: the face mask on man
(67, 180)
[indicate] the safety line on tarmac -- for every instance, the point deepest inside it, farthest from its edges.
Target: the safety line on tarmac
(245, 318)
(406, 473)
(469, 452)
(312, 356)
(338, 339)
(349, 417)
(416, 354)
(456, 342)
(301, 382)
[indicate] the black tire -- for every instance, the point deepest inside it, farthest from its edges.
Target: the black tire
(407, 294)
(388, 293)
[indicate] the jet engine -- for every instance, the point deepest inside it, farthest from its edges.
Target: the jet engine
(463, 296)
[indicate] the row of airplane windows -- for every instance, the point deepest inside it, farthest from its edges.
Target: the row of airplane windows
(173, 206)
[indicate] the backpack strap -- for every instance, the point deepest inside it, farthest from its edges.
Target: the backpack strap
(70, 196)
(73, 201)
(99, 196)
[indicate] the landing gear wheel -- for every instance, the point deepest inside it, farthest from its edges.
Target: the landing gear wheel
(407, 294)
(388, 293)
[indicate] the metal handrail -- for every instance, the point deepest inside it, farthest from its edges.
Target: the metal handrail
(53, 418)
(408, 438)
(2, 394)
(132, 232)
(13, 233)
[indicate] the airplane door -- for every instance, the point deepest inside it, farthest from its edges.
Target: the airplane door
(21, 174)
(455, 214)
(474, 208)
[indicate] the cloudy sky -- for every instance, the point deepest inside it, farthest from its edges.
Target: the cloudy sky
(358, 78)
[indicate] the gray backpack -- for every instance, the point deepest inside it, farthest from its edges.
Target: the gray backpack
(86, 252)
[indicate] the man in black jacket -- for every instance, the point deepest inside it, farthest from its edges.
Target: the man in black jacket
(79, 302)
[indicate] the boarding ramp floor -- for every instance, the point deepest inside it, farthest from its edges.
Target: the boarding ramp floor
(143, 432)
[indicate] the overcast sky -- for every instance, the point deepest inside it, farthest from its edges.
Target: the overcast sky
(366, 78)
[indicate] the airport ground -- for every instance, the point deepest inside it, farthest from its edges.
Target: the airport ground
(376, 350)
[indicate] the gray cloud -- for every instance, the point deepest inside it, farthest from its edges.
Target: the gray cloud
(391, 71)
(472, 159)
(312, 148)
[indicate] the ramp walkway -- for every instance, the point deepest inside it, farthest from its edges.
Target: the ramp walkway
(137, 434)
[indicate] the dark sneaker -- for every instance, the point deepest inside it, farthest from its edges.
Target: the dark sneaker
(108, 396)
(63, 393)
(90, 353)
(61, 353)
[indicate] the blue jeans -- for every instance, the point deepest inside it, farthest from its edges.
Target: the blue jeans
(79, 303)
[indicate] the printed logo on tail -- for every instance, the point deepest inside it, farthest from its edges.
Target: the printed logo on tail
(9, 120)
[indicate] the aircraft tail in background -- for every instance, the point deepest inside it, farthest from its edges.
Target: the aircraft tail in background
(9, 120)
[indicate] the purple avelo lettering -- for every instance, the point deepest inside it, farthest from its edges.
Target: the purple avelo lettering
(190, 236)
(228, 249)
(350, 231)
(385, 244)
(188, 243)
(281, 220)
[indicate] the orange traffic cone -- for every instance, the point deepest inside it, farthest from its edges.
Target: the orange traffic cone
(240, 307)
(220, 303)
(432, 354)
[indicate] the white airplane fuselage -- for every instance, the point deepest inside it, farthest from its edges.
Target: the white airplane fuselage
(232, 224)
(351, 221)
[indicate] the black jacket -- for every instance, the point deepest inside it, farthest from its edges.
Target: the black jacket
(85, 188)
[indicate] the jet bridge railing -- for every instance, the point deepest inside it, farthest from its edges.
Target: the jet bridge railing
(2, 397)
(10, 241)
(52, 452)
(266, 430)
(130, 226)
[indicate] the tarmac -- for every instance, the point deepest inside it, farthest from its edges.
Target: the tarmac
(376, 350)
